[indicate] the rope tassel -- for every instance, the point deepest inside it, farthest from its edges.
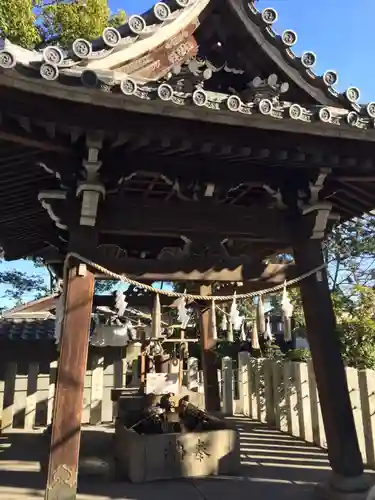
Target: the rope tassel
(213, 320)
(243, 333)
(254, 336)
(287, 309)
(261, 319)
(156, 318)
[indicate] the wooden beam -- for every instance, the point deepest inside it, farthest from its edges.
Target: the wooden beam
(199, 269)
(67, 415)
(351, 178)
(185, 218)
(343, 450)
(31, 142)
(151, 217)
(210, 379)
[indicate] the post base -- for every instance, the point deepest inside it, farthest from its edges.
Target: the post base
(341, 488)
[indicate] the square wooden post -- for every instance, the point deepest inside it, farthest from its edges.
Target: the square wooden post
(210, 379)
(343, 449)
(66, 425)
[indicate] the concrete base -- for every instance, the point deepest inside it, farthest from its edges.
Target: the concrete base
(340, 488)
(143, 458)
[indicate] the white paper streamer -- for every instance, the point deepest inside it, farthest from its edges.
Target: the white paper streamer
(213, 320)
(120, 303)
(183, 316)
(156, 318)
(243, 333)
(235, 318)
(254, 336)
(260, 316)
(224, 323)
(268, 334)
(287, 309)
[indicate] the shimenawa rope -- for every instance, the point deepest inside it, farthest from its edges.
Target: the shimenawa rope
(216, 298)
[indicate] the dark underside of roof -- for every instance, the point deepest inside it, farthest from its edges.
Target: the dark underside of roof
(161, 149)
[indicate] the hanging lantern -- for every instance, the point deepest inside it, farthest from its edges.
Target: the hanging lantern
(261, 319)
(254, 336)
(287, 309)
(120, 303)
(156, 318)
(213, 320)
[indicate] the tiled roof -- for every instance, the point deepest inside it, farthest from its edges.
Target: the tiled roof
(111, 63)
(31, 329)
(45, 304)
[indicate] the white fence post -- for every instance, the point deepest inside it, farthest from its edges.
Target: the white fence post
(319, 436)
(367, 394)
(268, 392)
(227, 374)
(243, 382)
(355, 399)
(303, 401)
(277, 391)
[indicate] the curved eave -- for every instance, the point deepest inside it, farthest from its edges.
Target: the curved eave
(164, 100)
(144, 41)
(282, 55)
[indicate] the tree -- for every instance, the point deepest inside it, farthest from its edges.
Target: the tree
(20, 283)
(350, 255)
(356, 330)
(36, 23)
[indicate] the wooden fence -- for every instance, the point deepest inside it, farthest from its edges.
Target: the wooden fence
(282, 394)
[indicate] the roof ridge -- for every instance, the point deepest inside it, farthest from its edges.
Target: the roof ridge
(84, 63)
(265, 20)
(19, 309)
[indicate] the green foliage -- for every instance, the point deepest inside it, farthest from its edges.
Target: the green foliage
(19, 284)
(18, 22)
(350, 255)
(356, 330)
(105, 286)
(68, 21)
(297, 355)
(34, 23)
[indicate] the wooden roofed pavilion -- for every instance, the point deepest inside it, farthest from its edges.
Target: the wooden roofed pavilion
(191, 143)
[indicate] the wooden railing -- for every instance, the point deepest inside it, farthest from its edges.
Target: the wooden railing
(282, 394)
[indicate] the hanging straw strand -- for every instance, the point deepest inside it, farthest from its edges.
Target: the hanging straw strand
(191, 297)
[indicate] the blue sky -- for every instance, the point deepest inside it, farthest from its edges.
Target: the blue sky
(340, 32)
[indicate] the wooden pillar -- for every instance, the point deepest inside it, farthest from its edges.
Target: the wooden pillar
(66, 425)
(210, 379)
(343, 450)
